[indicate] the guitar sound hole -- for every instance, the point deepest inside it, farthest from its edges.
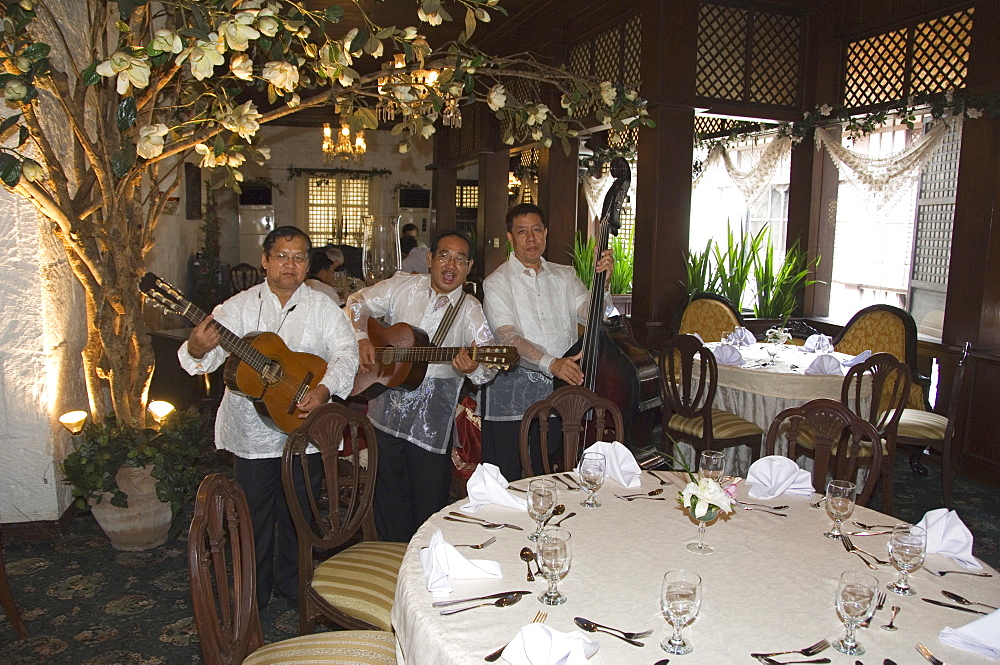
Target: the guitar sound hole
(272, 373)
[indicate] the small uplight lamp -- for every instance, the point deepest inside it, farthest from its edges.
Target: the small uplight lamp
(160, 410)
(74, 421)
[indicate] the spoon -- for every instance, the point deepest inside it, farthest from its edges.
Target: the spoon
(662, 662)
(485, 525)
(658, 490)
(528, 556)
(556, 512)
(592, 627)
(962, 601)
(872, 527)
(760, 505)
(564, 519)
(502, 601)
(892, 617)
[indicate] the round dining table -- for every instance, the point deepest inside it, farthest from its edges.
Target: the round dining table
(769, 586)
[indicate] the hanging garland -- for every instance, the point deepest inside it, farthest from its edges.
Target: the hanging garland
(353, 174)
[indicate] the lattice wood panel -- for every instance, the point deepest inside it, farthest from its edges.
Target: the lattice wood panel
(632, 52)
(722, 35)
(612, 55)
(607, 55)
(709, 127)
(774, 68)
(875, 69)
(936, 214)
(522, 90)
(941, 53)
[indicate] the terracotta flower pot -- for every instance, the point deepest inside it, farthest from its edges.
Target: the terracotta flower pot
(146, 521)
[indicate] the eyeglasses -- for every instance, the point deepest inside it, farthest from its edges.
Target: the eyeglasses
(444, 257)
(298, 259)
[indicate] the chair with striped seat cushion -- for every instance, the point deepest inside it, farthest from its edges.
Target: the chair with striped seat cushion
(223, 592)
(354, 587)
(688, 414)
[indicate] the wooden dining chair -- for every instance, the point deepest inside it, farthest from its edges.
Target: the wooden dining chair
(242, 276)
(688, 411)
(7, 600)
(933, 431)
(708, 314)
(584, 418)
(354, 587)
(838, 439)
(222, 566)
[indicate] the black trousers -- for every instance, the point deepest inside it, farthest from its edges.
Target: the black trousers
(411, 485)
(501, 446)
(275, 541)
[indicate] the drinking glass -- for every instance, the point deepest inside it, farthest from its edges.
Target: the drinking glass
(554, 557)
(541, 502)
(839, 504)
(591, 471)
(772, 349)
(700, 547)
(712, 464)
(855, 603)
(907, 547)
(680, 599)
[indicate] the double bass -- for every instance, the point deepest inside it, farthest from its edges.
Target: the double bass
(614, 364)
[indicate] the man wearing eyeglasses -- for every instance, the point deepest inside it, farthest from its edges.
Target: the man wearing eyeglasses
(414, 426)
(535, 306)
(307, 321)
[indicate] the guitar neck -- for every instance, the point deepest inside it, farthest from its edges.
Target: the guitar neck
(425, 354)
(228, 340)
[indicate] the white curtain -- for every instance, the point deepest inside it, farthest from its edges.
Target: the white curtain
(594, 191)
(753, 181)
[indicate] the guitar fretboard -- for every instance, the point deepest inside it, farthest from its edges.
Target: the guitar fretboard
(427, 354)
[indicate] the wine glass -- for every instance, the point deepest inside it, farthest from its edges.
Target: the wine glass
(855, 603)
(541, 502)
(591, 471)
(554, 558)
(907, 547)
(772, 349)
(700, 547)
(839, 504)
(712, 464)
(680, 599)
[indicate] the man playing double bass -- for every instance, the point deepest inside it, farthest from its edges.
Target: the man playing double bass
(535, 306)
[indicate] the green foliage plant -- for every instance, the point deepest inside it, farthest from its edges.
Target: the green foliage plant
(735, 265)
(583, 257)
(700, 276)
(777, 288)
(621, 278)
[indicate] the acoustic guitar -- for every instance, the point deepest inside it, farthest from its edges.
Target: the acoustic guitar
(260, 366)
(402, 353)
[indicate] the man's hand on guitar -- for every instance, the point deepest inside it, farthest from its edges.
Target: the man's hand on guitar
(366, 355)
(568, 369)
(204, 337)
(318, 396)
(463, 362)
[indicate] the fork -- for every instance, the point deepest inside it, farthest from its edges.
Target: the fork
(844, 541)
(540, 617)
(852, 548)
(808, 651)
(925, 652)
(745, 506)
(942, 573)
(879, 605)
(641, 496)
(571, 488)
(480, 545)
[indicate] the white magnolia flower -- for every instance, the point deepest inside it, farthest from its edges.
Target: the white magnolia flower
(608, 93)
(497, 98)
(825, 110)
(631, 95)
(537, 116)
(509, 140)
(15, 90)
(536, 135)
(294, 101)
(150, 143)
(26, 5)
(974, 113)
(345, 59)
(167, 41)
(409, 33)
(32, 170)
(238, 31)
(242, 120)
(204, 57)
(267, 23)
(209, 159)
(404, 94)
(235, 159)
(303, 32)
(433, 18)
(241, 66)
(404, 148)
(427, 130)
(547, 142)
(128, 69)
(346, 77)
(265, 154)
(565, 101)
(282, 75)
(23, 64)
(709, 493)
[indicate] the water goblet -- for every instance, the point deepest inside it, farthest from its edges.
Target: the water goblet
(712, 464)
(591, 471)
(680, 600)
(700, 547)
(555, 555)
(907, 547)
(542, 497)
(839, 504)
(772, 349)
(855, 603)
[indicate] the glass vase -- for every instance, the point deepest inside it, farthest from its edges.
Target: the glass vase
(700, 547)
(380, 257)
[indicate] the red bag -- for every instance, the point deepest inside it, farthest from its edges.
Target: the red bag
(468, 449)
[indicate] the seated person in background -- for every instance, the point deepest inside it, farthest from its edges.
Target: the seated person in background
(414, 258)
(320, 275)
(336, 257)
(412, 230)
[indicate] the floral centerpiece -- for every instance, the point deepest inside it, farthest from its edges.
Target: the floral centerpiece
(703, 496)
(777, 336)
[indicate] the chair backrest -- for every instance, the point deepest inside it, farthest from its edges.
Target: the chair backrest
(222, 566)
(328, 520)
(889, 391)
(242, 276)
(708, 314)
(684, 392)
(839, 435)
(957, 385)
(585, 418)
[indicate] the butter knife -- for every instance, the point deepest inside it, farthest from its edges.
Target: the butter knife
(446, 603)
(867, 533)
(954, 607)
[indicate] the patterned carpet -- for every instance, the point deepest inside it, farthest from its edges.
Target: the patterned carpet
(87, 604)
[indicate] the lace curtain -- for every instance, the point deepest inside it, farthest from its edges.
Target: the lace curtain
(881, 181)
(753, 181)
(594, 191)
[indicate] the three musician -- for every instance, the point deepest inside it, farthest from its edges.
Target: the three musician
(307, 321)
(535, 306)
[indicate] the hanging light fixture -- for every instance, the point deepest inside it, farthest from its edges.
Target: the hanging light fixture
(342, 147)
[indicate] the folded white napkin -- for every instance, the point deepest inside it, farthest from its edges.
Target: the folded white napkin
(774, 475)
(742, 337)
(694, 334)
(537, 644)
(442, 563)
(948, 535)
(858, 359)
(825, 365)
(487, 486)
(981, 636)
(818, 343)
(727, 355)
(620, 464)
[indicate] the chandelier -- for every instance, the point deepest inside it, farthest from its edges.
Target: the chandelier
(342, 148)
(418, 92)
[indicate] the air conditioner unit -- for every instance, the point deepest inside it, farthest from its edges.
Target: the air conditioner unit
(415, 197)
(415, 208)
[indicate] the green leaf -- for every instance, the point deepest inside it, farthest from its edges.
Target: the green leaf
(123, 160)
(36, 51)
(10, 169)
(22, 135)
(470, 23)
(126, 114)
(90, 75)
(196, 33)
(333, 13)
(368, 118)
(8, 122)
(372, 45)
(385, 33)
(359, 40)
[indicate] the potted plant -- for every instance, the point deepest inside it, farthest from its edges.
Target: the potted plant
(135, 479)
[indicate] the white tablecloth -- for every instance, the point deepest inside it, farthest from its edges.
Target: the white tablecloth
(769, 586)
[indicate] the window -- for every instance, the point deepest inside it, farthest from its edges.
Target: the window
(337, 208)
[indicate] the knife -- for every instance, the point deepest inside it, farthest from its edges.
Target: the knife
(867, 533)
(446, 603)
(888, 662)
(954, 607)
